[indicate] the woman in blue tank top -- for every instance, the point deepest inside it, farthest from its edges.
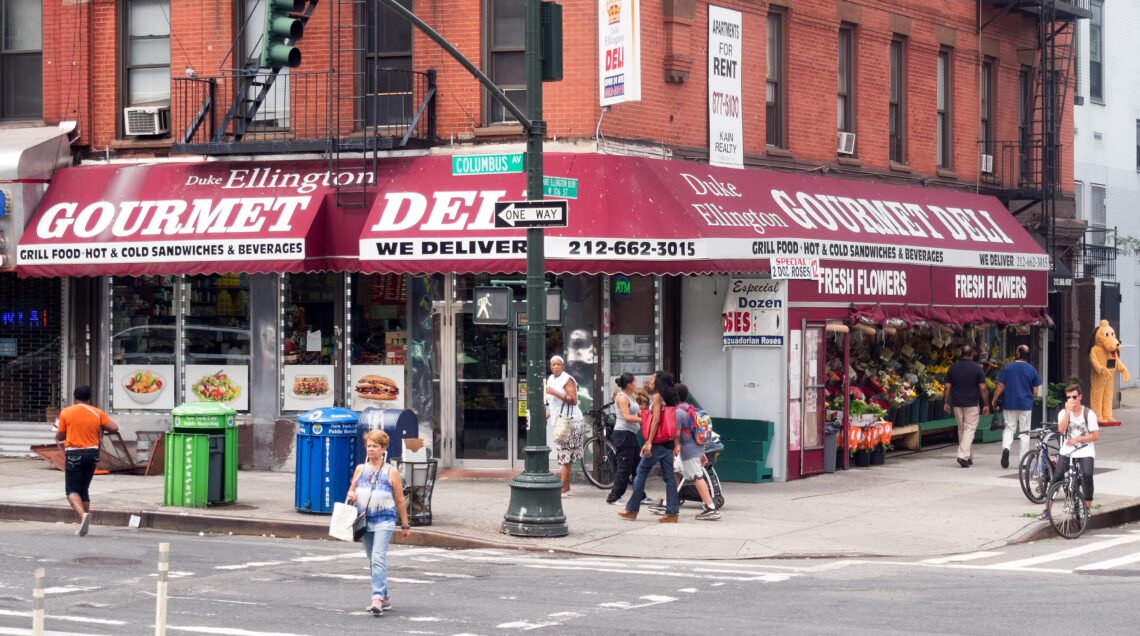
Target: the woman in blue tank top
(378, 492)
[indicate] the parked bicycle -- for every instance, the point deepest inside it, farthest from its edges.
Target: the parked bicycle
(599, 455)
(1036, 467)
(1065, 505)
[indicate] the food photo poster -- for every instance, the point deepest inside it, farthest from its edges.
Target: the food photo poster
(378, 385)
(308, 386)
(224, 383)
(139, 387)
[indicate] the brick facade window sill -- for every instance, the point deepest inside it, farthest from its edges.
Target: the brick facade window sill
(141, 144)
(946, 174)
(898, 167)
(774, 151)
(499, 130)
(849, 161)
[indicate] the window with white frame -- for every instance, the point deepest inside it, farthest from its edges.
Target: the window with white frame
(147, 54)
(845, 104)
(1096, 51)
(21, 59)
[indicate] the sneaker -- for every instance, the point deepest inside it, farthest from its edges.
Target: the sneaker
(647, 500)
(386, 603)
(627, 515)
(566, 494)
(1044, 516)
(963, 463)
(708, 514)
(970, 461)
(376, 607)
(657, 510)
(1005, 458)
(84, 525)
(617, 502)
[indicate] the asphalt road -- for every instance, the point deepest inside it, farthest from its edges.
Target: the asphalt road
(260, 586)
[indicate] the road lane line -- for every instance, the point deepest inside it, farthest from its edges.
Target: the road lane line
(767, 577)
(74, 619)
(962, 557)
(251, 564)
(227, 631)
(1111, 563)
(1065, 554)
(16, 631)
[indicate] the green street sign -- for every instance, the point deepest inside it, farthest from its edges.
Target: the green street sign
(466, 165)
(560, 187)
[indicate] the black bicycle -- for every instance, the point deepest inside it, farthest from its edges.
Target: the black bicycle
(1064, 505)
(1036, 467)
(599, 455)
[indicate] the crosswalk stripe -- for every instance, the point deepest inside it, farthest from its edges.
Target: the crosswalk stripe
(16, 631)
(1066, 554)
(768, 577)
(958, 558)
(1112, 563)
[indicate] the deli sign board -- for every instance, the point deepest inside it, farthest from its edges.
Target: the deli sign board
(619, 51)
(181, 218)
(755, 313)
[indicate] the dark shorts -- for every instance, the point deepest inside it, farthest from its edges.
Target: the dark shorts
(80, 469)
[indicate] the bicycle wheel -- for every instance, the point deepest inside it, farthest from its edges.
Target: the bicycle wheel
(599, 462)
(1033, 473)
(1066, 510)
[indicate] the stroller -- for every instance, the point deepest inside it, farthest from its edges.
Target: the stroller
(687, 491)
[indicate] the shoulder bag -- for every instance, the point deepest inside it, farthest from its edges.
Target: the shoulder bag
(563, 424)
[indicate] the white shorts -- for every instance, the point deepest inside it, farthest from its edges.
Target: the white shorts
(691, 468)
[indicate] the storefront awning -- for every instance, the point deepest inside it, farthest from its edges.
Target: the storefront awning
(879, 315)
(647, 216)
(190, 218)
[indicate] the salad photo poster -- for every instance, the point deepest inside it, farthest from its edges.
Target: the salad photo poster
(308, 386)
(225, 383)
(143, 387)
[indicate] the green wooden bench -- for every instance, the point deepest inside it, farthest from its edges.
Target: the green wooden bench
(746, 446)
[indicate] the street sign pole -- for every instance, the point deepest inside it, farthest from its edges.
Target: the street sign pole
(536, 502)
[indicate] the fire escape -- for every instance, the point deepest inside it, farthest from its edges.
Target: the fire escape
(349, 106)
(1026, 172)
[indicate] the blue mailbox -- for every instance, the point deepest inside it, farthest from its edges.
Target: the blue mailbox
(327, 446)
(399, 424)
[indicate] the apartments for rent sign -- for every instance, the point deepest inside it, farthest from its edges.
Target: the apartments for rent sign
(726, 118)
(619, 51)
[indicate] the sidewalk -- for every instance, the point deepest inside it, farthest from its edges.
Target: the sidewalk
(917, 504)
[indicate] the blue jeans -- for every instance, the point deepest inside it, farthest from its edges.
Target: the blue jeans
(662, 455)
(376, 547)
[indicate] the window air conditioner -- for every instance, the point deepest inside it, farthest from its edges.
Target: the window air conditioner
(988, 164)
(846, 143)
(147, 120)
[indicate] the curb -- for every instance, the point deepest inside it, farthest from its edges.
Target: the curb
(190, 522)
(1120, 515)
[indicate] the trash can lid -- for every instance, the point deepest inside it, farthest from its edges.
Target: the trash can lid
(329, 414)
(202, 408)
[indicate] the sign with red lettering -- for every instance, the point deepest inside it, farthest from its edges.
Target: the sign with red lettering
(619, 51)
(755, 313)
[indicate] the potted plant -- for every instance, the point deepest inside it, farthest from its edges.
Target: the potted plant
(858, 443)
(882, 443)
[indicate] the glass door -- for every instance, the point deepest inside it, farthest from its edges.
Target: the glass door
(814, 376)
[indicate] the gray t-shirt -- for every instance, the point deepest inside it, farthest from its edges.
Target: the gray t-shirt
(634, 410)
(689, 447)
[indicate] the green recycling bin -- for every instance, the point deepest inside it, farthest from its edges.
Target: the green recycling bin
(201, 456)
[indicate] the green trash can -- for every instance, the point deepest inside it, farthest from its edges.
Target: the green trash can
(201, 456)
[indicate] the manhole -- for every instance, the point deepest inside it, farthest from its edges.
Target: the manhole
(105, 561)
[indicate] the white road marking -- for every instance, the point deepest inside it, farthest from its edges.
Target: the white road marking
(211, 600)
(1065, 554)
(1111, 563)
(688, 590)
(66, 589)
(424, 619)
(173, 575)
(651, 600)
(957, 558)
(74, 619)
(251, 564)
(565, 615)
(331, 557)
(226, 631)
(447, 575)
(768, 577)
(527, 626)
(16, 631)
(364, 577)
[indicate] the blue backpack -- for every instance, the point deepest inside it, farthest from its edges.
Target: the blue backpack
(700, 424)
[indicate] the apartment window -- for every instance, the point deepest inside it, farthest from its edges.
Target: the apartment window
(506, 44)
(147, 52)
(774, 88)
(945, 148)
(987, 107)
(21, 59)
(1138, 144)
(389, 81)
(897, 114)
(1078, 59)
(1096, 51)
(845, 105)
(1079, 200)
(1097, 214)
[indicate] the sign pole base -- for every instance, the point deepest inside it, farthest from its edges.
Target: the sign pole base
(536, 504)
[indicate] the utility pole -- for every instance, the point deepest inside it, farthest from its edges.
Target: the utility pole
(536, 501)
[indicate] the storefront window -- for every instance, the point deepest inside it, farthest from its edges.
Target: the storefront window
(216, 340)
(309, 307)
(378, 334)
(144, 335)
(29, 348)
(632, 326)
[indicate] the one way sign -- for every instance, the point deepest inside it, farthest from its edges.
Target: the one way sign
(531, 214)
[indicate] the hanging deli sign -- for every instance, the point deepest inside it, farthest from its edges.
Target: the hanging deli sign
(619, 51)
(755, 313)
(182, 219)
(726, 115)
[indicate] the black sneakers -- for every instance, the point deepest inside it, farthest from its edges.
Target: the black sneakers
(1005, 458)
(963, 463)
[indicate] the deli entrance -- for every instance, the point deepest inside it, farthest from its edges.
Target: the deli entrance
(480, 376)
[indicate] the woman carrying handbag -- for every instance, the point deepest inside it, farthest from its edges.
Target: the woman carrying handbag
(562, 404)
(381, 505)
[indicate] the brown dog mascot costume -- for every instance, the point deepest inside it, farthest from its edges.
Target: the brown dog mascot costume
(1104, 355)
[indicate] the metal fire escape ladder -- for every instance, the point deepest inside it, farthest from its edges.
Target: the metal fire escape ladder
(354, 144)
(1055, 41)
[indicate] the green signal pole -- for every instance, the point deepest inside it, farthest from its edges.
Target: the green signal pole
(536, 501)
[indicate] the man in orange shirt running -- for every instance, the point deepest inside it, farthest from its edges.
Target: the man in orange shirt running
(81, 428)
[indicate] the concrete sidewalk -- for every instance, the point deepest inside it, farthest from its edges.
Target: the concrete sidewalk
(917, 504)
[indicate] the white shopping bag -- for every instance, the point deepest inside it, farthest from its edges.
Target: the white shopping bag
(342, 522)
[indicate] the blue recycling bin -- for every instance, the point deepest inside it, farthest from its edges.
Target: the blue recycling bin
(327, 450)
(399, 424)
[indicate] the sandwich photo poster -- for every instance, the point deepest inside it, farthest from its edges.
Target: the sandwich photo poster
(378, 385)
(225, 383)
(308, 386)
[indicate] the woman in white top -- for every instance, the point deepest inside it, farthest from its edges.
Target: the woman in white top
(1079, 428)
(562, 399)
(624, 437)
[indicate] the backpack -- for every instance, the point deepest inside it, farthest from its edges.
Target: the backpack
(700, 427)
(666, 430)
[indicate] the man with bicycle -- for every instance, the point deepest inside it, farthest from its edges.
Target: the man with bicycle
(1079, 429)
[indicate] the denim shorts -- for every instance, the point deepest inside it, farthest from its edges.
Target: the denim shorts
(80, 469)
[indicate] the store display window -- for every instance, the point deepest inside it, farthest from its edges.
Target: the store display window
(216, 339)
(144, 343)
(310, 305)
(378, 333)
(633, 326)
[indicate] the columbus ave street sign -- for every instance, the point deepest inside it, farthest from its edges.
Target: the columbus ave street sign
(531, 214)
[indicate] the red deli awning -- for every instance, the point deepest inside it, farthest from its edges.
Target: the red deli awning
(190, 218)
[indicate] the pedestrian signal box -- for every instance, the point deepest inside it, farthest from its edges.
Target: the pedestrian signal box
(492, 306)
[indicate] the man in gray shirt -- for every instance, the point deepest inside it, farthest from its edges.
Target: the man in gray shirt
(965, 389)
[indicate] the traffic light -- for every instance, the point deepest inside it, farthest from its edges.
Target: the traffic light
(551, 14)
(284, 26)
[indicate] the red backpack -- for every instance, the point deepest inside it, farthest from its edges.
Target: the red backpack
(666, 430)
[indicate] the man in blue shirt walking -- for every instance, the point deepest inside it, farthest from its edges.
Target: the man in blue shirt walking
(1019, 382)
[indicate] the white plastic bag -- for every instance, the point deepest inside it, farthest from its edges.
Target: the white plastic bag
(342, 522)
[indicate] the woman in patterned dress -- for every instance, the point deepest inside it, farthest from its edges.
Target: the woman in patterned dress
(562, 398)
